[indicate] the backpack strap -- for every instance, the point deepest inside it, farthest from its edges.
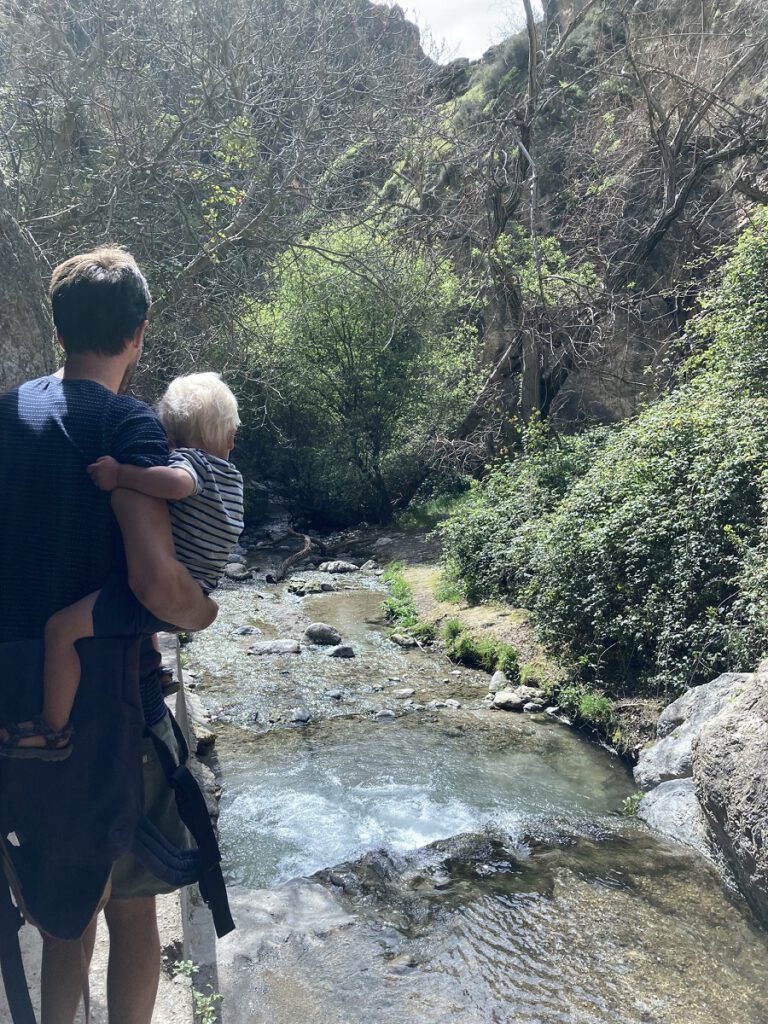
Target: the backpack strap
(11, 964)
(194, 814)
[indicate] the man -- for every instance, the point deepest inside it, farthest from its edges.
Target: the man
(60, 538)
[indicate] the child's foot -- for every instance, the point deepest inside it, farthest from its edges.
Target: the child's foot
(168, 684)
(35, 739)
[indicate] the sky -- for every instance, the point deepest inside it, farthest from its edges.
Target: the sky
(467, 27)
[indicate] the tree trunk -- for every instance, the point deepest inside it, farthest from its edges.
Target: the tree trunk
(26, 330)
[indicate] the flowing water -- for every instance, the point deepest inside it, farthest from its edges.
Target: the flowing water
(443, 863)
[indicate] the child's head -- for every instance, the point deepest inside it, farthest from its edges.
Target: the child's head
(199, 411)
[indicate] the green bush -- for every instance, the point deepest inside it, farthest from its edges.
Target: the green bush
(643, 549)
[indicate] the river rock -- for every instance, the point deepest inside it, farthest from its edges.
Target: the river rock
(403, 694)
(341, 651)
(515, 699)
(384, 715)
(300, 716)
(451, 702)
(338, 567)
(498, 682)
(334, 694)
(672, 809)
(246, 631)
(533, 707)
(382, 542)
(275, 647)
(730, 755)
(322, 633)
(670, 757)
(200, 724)
(402, 640)
(437, 704)
(237, 571)
(368, 566)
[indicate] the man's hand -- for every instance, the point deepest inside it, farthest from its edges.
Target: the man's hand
(105, 473)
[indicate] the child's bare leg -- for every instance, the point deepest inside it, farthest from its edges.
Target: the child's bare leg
(61, 672)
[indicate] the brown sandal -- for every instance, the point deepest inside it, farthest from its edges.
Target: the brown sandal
(56, 747)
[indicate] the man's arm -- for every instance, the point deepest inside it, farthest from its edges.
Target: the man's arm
(168, 482)
(158, 580)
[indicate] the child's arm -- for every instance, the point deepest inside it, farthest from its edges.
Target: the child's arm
(156, 481)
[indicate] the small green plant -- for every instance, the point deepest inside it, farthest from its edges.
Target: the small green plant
(206, 1004)
(631, 804)
(587, 706)
(451, 630)
(484, 652)
(399, 608)
(424, 632)
(448, 590)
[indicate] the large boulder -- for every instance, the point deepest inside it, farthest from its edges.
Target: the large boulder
(670, 757)
(26, 330)
(323, 634)
(730, 756)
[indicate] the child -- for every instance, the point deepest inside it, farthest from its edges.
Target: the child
(205, 490)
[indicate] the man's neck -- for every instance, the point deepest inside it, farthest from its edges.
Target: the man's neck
(105, 370)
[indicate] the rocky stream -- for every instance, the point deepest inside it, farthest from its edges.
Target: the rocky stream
(398, 850)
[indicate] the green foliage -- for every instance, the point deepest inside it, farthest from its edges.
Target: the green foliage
(539, 674)
(448, 589)
(362, 355)
(206, 1004)
(631, 804)
(544, 271)
(587, 706)
(643, 549)
(399, 608)
(485, 652)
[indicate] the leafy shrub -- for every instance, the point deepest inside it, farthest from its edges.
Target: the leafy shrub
(643, 548)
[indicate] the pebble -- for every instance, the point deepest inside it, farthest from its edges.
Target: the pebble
(338, 567)
(246, 631)
(402, 694)
(437, 704)
(300, 715)
(384, 715)
(451, 703)
(456, 672)
(441, 881)
(334, 694)
(533, 707)
(341, 651)
(368, 566)
(275, 647)
(237, 571)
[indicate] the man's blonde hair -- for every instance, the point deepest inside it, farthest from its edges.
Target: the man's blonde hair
(198, 411)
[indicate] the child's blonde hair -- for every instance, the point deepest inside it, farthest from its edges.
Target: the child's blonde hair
(198, 411)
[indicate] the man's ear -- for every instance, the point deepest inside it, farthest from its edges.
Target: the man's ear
(138, 338)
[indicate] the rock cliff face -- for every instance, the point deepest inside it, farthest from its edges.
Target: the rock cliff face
(706, 778)
(730, 756)
(26, 331)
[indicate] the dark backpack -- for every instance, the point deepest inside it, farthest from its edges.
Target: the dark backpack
(62, 824)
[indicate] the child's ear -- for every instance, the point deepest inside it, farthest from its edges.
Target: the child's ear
(230, 439)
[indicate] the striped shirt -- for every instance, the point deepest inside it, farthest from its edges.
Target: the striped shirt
(207, 524)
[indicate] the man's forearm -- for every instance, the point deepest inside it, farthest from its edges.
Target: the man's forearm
(158, 580)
